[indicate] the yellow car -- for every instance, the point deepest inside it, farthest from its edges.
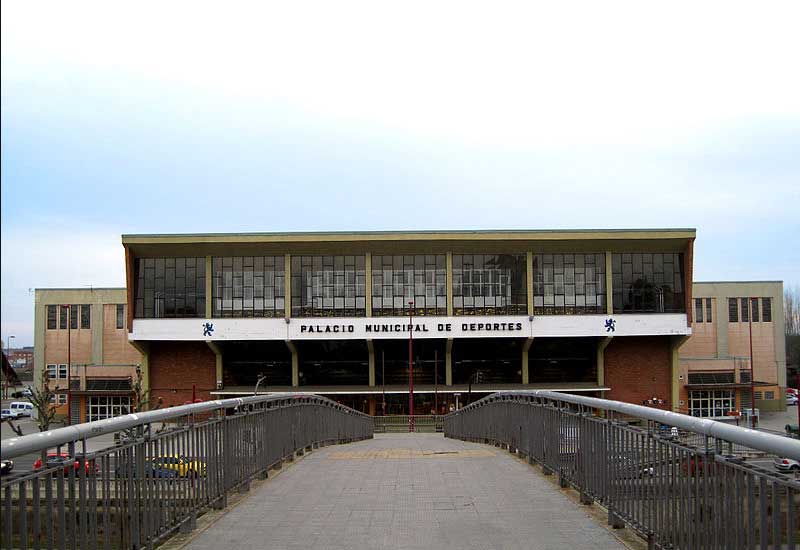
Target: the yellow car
(181, 464)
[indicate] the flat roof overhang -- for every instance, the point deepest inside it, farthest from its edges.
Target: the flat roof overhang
(397, 242)
(421, 389)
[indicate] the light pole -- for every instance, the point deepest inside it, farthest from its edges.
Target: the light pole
(261, 378)
(411, 366)
(10, 363)
(69, 363)
(752, 374)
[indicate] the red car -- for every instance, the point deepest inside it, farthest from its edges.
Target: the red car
(55, 459)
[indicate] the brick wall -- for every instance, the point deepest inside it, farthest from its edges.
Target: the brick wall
(175, 366)
(638, 368)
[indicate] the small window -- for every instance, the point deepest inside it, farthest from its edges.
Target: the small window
(708, 310)
(51, 371)
(62, 398)
(766, 310)
(86, 316)
(73, 317)
(62, 317)
(52, 317)
(759, 395)
(745, 311)
(698, 310)
(769, 395)
(733, 310)
(754, 309)
(120, 315)
(62, 371)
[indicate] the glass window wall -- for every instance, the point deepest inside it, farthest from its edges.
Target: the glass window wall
(170, 287)
(648, 283)
(397, 280)
(329, 286)
(490, 284)
(566, 284)
(249, 286)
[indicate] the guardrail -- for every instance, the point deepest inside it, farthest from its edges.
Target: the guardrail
(169, 466)
(402, 423)
(674, 494)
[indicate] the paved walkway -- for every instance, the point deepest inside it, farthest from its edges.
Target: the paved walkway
(409, 491)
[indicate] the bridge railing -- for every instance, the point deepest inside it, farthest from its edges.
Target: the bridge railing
(402, 423)
(159, 470)
(693, 487)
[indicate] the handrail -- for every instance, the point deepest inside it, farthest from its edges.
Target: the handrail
(19, 446)
(771, 443)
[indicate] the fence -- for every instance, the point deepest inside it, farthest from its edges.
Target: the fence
(158, 479)
(674, 494)
(402, 423)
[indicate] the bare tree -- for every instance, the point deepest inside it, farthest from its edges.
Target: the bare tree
(791, 309)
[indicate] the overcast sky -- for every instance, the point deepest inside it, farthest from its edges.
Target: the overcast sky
(170, 117)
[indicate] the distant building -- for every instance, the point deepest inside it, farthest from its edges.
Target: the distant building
(87, 329)
(21, 358)
(597, 312)
(715, 361)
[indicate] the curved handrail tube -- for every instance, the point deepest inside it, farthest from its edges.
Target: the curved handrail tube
(771, 443)
(19, 446)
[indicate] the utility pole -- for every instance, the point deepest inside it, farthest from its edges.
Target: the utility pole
(752, 373)
(69, 364)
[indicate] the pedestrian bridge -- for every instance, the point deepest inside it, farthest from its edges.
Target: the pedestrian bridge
(414, 491)
(518, 469)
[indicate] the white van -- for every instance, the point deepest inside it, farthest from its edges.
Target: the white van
(22, 408)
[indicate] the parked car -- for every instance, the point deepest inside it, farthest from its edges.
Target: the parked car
(183, 466)
(791, 399)
(23, 408)
(695, 465)
(8, 413)
(56, 459)
(6, 466)
(153, 469)
(786, 465)
(27, 392)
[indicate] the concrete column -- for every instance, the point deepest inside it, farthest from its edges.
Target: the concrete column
(218, 356)
(368, 273)
(295, 363)
(675, 343)
(209, 288)
(40, 325)
(371, 349)
(721, 322)
(97, 318)
(144, 362)
(287, 286)
(530, 291)
(448, 363)
(602, 344)
(526, 345)
(449, 283)
(609, 284)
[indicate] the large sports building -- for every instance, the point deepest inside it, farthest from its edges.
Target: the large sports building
(600, 312)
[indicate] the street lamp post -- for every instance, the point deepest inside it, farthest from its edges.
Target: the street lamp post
(10, 363)
(69, 363)
(411, 366)
(752, 374)
(261, 378)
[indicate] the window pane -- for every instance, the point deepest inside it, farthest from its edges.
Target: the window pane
(86, 316)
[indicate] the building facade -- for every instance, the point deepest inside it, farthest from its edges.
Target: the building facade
(81, 341)
(598, 312)
(715, 370)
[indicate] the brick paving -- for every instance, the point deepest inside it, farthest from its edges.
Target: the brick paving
(409, 491)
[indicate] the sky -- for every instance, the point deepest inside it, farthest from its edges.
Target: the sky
(191, 117)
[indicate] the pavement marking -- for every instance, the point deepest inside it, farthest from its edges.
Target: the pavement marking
(399, 454)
